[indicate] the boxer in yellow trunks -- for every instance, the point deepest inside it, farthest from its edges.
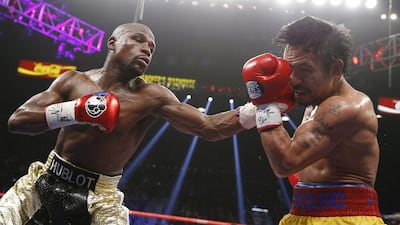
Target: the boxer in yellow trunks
(334, 152)
(103, 115)
(333, 204)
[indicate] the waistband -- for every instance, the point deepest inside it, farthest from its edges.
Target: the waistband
(76, 175)
(334, 200)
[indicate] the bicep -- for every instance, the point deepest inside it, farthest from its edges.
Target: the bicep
(183, 117)
(315, 139)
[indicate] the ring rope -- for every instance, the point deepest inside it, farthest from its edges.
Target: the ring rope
(174, 218)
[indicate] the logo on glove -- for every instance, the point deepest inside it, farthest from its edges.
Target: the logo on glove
(95, 106)
(254, 89)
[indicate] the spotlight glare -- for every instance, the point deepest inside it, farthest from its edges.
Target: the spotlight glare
(188, 97)
(231, 101)
(301, 1)
(210, 99)
(383, 16)
(283, 2)
(370, 4)
(319, 2)
(335, 2)
(353, 3)
(393, 16)
(195, 3)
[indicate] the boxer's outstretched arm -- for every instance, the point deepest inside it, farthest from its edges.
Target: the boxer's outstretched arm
(189, 120)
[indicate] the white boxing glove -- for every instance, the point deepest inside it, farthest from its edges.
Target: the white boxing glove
(247, 115)
(268, 116)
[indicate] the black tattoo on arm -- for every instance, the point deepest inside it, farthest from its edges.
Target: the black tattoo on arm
(318, 131)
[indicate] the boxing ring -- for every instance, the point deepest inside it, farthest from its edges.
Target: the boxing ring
(171, 218)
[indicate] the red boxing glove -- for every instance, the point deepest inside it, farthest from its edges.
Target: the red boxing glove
(265, 76)
(285, 100)
(267, 81)
(99, 109)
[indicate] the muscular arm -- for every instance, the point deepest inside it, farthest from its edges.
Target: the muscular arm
(29, 118)
(312, 141)
(190, 120)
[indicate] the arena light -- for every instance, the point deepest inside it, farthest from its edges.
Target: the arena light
(131, 168)
(370, 4)
(319, 2)
(353, 3)
(355, 60)
(393, 16)
(184, 168)
(195, 3)
(335, 2)
(284, 2)
(238, 174)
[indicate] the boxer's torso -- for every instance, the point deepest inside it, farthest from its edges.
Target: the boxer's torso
(107, 153)
(355, 159)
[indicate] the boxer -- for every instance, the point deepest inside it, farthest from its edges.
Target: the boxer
(103, 115)
(334, 152)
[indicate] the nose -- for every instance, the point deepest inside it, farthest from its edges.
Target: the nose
(146, 49)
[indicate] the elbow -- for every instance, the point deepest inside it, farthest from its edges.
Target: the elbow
(284, 170)
(211, 138)
(14, 125)
(19, 126)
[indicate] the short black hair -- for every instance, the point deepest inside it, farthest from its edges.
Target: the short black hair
(331, 41)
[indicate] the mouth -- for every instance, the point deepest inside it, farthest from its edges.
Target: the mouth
(143, 61)
(299, 93)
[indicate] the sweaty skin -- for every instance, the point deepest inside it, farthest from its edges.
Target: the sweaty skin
(336, 141)
(131, 47)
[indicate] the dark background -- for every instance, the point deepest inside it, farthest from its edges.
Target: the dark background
(209, 44)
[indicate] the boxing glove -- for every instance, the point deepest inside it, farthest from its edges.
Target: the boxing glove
(267, 81)
(100, 109)
(285, 99)
(265, 77)
(247, 115)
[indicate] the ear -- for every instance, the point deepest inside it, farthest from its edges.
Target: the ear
(111, 43)
(337, 67)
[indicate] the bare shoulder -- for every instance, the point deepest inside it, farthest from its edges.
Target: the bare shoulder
(72, 84)
(352, 108)
(152, 90)
(68, 76)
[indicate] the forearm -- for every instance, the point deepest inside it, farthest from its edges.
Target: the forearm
(223, 125)
(28, 120)
(277, 143)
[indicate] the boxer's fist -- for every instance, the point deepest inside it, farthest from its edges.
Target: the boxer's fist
(99, 109)
(267, 81)
(265, 76)
(247, 115)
